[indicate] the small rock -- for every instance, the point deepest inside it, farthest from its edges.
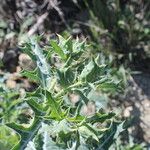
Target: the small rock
(11, 84)
(26, 62)
(127, 111)
(88, 109)
(74, 98)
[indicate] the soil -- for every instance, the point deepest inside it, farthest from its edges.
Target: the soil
(137, 104)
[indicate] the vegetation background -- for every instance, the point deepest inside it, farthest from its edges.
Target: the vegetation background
(116, 30)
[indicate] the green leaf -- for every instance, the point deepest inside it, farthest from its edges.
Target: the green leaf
(56, 127)
(65, 77)
(32, 75)
(83, 97)
(58, 50)
(38, 140)
(7, 138)
(49, 144)
(87, 131)
(37, 108)
(26, 134)
(110, 86)
(44, 68)
(65, 44)
(46, 141)
(78, 47)
(54, 105)
(28, 50)
(87, 70)
(100, 117)
(110, 135)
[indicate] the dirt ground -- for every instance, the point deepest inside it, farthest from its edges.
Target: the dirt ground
(137, 105)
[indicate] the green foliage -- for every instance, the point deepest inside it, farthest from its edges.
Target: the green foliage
(70, 68)
(7, 138)
(124, 23)
(9, 100)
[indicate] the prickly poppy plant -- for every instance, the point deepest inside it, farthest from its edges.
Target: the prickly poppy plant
(69, 78)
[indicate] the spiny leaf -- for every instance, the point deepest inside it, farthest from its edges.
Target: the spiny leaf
(109, 86)
(26, 134)
(42, 65)
(49, 144)
(65, 77)
(37, 108)
(87, 70)
(110, 135)
(100, 117)
(83, 97)
(78, 46)
(28, 50)
(87, 131)
(58, 50)
(54, 105)
(32, 75)
(65, 44)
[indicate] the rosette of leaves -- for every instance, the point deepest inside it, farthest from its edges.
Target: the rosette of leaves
(64, 67)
